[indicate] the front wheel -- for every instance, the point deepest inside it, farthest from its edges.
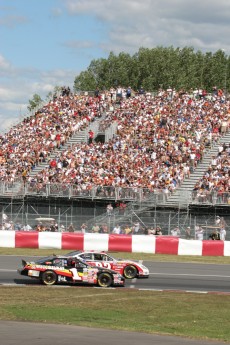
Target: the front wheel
(104, 280)
(49, 278)
(130, 272)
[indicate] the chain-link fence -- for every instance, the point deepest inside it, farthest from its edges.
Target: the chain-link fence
(18, 215)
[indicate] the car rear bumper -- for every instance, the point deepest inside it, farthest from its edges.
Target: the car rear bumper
(23, 272)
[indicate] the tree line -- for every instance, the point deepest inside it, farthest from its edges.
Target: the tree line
(160, 67)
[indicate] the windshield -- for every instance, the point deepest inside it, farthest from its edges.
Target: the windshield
(76, 252)
(41, 260)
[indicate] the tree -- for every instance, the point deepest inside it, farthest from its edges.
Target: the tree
(180, 68)
(35, 102)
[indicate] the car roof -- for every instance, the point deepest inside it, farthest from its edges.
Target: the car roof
(47, 258)
(85, 251)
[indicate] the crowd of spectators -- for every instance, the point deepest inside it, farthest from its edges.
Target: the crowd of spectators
(214, 185)
(30, 142)
(160, 139)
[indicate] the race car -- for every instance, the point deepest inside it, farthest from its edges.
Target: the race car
(56, 269)
(129, 269)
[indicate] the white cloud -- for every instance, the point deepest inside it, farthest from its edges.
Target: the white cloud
(17, 86)
(126, 25)
(76, 44)
(4, 64)
(12, 20)
(133, 24)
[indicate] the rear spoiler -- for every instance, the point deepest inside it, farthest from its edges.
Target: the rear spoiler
(24, 263)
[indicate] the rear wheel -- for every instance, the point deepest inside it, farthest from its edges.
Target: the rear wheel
(104, 280)
(49, 278)
(130, 272)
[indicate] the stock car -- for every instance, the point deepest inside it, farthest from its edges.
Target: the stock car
(61, 269)
(129, 269)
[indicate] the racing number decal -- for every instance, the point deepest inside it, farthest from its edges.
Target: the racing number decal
(103, 264)
(75, 274)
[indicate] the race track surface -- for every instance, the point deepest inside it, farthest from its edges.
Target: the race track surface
(199, 278)
(14, 333)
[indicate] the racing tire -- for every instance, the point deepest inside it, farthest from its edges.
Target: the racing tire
(105, 280)
(49, 278)
(130, 272)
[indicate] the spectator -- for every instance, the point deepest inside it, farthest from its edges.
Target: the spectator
(218, 220)
(158, 231)
(84, 228)
(175, 232)
(214, 235)
(122, 207)
(128, 92)
(8, 225)
(27, 227)
(71, 228)
(91, 136)
(95, 229)
(117, 229)
(136, 228)
(150, 231)
(199, 233)
(188, 235)
(62, 228)
(141, 91)
(222, 234)
(109, 209)
(128, 230)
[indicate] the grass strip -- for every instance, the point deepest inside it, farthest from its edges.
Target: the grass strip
(134, 256)
(182, 314)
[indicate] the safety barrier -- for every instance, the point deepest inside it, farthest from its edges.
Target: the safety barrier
(107, 242)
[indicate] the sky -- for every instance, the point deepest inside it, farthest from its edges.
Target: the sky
(47, 43)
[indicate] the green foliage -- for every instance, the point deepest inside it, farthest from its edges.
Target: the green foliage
(35, 102)
(181, 68)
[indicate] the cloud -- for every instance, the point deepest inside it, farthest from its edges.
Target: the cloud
(12, 20)
(4, 64)
(18, 85)
(117, 26)
(77, 44)
(133, 24)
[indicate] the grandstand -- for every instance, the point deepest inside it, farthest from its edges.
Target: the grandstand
(148, 152)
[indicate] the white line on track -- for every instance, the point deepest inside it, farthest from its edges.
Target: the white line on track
(155, 274)
(134, 280)
(7, 270)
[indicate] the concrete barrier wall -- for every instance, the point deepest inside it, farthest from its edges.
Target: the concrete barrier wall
(113, 243)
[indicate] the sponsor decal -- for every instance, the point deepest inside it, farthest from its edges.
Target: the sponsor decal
(47, 267)
(32, 273)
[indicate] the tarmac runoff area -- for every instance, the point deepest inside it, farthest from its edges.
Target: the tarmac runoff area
(27, 333)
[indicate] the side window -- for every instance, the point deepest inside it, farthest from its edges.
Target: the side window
(79, 264)
(57, 262)
(87, 256)
(98, 257)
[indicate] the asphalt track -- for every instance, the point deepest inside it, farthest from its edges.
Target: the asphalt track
(203, 278)
(15, 333)
(198, 278)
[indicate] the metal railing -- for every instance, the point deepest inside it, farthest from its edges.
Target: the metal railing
(73, 191)
(210, 197)
(18, 188)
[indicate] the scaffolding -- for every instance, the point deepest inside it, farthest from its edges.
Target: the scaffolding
(26, 212)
